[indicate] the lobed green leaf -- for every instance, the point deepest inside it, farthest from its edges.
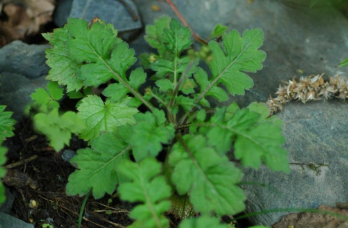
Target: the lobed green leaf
(84, 55)
(3, 151)
(150, 132)
(117, 91)
(255, 137)
(96, 167)
(6, 130)
(149, 188)
(217, 93)
(58, 128)
(210, 179)
(177, 38)
(230, 61)
(185, 102)
(100, 116)
(202, 222)
(63, 67)
(343, 63)
(6, 124)
(218, 31)
(154, 34)
(48, 99)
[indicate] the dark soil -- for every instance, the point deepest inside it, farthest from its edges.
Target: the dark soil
(42, 181)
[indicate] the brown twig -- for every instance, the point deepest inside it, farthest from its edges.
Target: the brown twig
(182, 19)
(19, 163)
(111, 208)
(84, 218)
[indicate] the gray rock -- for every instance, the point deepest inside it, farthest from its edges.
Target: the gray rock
(316, 140)
(110, 11)
(62, 12)
(68, 154)
(297, 39)
(21, 58)
(7, 221)
(15, 91)
(7, 206)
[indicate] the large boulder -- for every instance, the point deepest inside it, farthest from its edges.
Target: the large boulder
(25, 59)
(7, 221)
(23, 69)
(316, 140)
(122, 14)
(15, 91)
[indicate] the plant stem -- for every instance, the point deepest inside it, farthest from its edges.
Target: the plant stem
(169, 110)
(182, 78)
(120, 79)
(83, 207)
(159, 99)
(182, 19)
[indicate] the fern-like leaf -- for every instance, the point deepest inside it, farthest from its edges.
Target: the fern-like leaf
(255, 137)
(6, 123)
(3, 151)
(97, 167)
(6, 130)
(216, 92)
(210, 179)
(154, 34)
(101, 55)
(89, 56)
(238, 55)
(202, 222)
(149, 188)
(177, 38)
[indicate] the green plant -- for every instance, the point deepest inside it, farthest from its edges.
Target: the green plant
(178, 145)
(6, 130)
(47, 225)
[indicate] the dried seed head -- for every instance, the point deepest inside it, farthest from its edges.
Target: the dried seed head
(311, 95)
(309, 88)
(328, 92)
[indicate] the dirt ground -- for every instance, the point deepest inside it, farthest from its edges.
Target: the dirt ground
(38, 177)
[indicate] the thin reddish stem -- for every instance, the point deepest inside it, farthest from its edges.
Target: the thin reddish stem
(182, 19)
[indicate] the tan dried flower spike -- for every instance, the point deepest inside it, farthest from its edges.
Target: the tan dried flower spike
(307, 89)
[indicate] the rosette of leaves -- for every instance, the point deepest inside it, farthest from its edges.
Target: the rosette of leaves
(179, 127)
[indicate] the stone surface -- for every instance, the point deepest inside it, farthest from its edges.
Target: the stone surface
(297, 39)
(111, 11)
(62, 12)
(316, 140)
(68, 154)
(15, 91)
(7, 206)
(7, 221)
(21, 58)
(315, 220)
